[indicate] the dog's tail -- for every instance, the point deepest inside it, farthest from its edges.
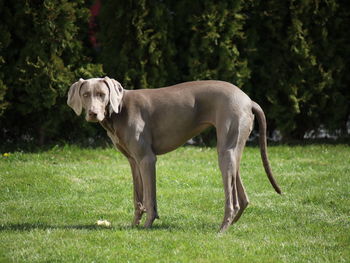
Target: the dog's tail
(258, 112)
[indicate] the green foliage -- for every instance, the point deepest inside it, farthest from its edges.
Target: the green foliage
(50, 203)
(3, 103)
(43, 57)
(298, 59)
(291, 57)
(215, 40)
(4, 42)
(144, 42)
(137, 48)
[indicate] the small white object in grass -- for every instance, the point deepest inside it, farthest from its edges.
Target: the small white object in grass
(103, 223)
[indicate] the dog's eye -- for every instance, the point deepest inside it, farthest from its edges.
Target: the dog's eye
(85, 95)
(99, 94)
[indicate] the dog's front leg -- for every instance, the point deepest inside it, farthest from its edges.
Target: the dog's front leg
(138, 192)
(148, 175)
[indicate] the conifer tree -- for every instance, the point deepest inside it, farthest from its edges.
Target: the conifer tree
(41, 56)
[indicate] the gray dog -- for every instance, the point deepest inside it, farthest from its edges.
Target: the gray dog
(146, 123)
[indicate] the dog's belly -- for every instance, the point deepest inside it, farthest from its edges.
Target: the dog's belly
(174, 123)
(174, 138)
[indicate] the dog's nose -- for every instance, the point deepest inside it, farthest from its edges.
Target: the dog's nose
(92, 114)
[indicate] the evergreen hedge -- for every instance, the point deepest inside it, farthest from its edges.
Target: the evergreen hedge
(41, 55)
(291, 57)
(299, 58)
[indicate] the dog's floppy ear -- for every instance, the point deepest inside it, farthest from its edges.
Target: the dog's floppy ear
(74, 100)
(115, 95)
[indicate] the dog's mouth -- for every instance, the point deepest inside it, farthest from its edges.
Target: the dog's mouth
(93, 118)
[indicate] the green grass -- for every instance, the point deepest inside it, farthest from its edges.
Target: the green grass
(50, 202)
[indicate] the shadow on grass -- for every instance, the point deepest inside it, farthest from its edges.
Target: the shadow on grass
(93, 227)
(42, 226)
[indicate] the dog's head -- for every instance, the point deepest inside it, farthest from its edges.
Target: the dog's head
(97, 96)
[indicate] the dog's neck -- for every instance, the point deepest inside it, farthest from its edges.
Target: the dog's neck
(107, 124)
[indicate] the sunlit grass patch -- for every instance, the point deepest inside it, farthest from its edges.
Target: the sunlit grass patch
(50, 203)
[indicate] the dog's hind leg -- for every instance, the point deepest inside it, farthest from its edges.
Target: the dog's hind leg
(228, 166)
(227, 135)
(242, 197)
(245, 127)
(232, 135)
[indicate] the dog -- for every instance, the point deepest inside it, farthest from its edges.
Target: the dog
(145, 123)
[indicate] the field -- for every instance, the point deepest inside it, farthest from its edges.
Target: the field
(50, 202)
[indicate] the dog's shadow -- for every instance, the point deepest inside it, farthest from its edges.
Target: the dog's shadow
(43, 226)
(94, 227)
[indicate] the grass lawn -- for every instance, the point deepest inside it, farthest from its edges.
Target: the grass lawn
(50, 202)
